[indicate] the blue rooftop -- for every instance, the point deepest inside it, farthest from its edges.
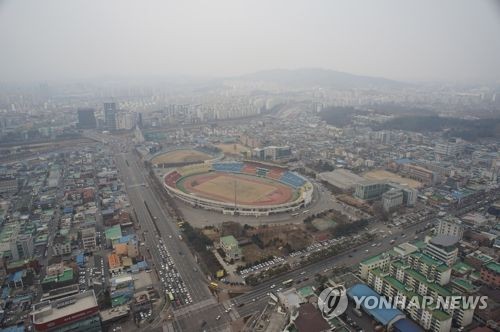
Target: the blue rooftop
(382, 315)
(407, 325)
(80, 259)
(18, 276)
(126, 238)
(15, 328)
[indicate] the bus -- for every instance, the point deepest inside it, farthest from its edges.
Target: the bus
(170, 296)
(287, 282)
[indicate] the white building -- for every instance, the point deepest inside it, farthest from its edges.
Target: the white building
(452, 148)
(443, 248)
(89, 239)
(392, 199)
(450, 226)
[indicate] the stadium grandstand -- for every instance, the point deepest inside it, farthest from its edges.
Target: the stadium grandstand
(244, 188)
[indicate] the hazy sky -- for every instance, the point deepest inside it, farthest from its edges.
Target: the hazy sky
(407, 40)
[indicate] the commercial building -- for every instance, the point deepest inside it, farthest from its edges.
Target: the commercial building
(73, 313)
(450, 226)
(419, 173)
(369, 190)
(230, 247)
(126, 120)
(89, 239)
(122, 289)
(443, 248)
(392, 199)
(86, 118)
(409, 194)
(272, 153)
(374, 189)
(451, 148)
(58, 276)
(61, 245)
(110, 116)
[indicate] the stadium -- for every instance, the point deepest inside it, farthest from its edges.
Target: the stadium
(184, 156)
(239, 188)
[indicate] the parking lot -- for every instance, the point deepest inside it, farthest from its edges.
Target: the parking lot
(294, 256)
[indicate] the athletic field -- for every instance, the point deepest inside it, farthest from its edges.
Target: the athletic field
(181, 156)
(228, 188)
(385, 175)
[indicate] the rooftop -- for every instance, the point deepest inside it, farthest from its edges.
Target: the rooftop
(229, 241)
(375, 258)
(67, 275)
(384, 316)
(48, 311)
(444, 240)
(493, 266)
(310, 319)
(114, 313)
(113, 233)
(341, 178)
(461, 267)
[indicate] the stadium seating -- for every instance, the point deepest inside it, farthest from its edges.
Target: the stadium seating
(249, 169)
(270, 172)
(292, 179)
(275, 173)
(228, 167)
(172, 178)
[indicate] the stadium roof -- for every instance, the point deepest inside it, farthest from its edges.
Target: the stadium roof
(383, 316)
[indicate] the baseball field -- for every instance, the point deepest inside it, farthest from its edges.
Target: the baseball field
(181, 156)
(246, 190)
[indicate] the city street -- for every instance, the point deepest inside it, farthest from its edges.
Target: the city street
(139, 192)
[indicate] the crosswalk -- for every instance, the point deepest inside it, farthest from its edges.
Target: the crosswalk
(194, 307)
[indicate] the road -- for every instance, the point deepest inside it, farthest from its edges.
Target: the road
(134, 175)
(244, 305)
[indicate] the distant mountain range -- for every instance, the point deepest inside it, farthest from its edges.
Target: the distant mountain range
(311, 77)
